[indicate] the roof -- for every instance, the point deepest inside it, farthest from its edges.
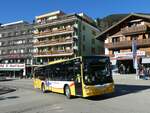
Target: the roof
(13, 23)
(50, 14)
(100, 36)
(64, 60)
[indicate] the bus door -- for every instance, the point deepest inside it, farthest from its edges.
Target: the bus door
(48, 79)
(78, 79)
(78, 85)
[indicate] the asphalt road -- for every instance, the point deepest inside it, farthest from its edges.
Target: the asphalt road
(132, 96)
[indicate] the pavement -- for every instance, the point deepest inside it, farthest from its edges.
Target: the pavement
(4, 90)
(131, 96)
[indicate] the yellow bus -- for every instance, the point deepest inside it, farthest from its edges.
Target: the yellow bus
(81, 76)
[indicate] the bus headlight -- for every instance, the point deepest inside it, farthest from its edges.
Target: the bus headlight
(86, 87)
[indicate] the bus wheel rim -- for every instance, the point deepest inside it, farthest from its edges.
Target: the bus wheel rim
(67, 92)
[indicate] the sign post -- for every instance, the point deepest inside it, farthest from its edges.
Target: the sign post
(134, 52)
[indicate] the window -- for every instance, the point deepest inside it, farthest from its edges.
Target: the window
(93, 50)
(93, 41)
(16, 33)
(134, 37)
(23, 32)
(115, 51)
(83, 27)
(83, 47)
(29, 50)
(93, 32)
(83, 37)
(9, 34)
(1, 43)
(144, 36)
(148, 35)
(115, 39)
(30, 40)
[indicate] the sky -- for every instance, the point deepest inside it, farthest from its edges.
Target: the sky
(15, 10)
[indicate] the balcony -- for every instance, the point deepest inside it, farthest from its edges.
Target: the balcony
(127, 44)
(53, 42)
(54, 53)
(61, 19)
(75, 37)
(15, 55)
(48, 33)
(148, 53)
(134, 29)
(75, 47)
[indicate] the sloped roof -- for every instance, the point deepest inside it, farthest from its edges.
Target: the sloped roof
(100, 36)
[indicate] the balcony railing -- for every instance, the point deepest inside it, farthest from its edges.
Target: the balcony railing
(49, 32)
(16, 55)
(17, 45)
(62, 18)
(125, 44)
(54, 53)
(53, 42)
(134, 29)
(147, 53)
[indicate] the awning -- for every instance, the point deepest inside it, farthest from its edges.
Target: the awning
(10, 69)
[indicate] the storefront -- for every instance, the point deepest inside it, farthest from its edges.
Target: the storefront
(125, 60)
(13, 70)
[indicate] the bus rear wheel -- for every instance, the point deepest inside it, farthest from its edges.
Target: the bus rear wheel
(43, 88)
(67, 92)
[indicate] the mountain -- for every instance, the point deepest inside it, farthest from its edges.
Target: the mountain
(106, 22)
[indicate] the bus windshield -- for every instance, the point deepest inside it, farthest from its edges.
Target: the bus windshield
(96, 70)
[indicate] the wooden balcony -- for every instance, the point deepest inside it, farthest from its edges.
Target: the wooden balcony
(134, 29)
(147, 53)
(54, 32)
(54, 53)
(128, 44)
(53, 42)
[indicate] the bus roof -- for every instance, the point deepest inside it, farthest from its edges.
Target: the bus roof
(63, 60)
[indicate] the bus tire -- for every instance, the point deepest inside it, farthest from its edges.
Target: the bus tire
(67, 92)
(43, 88)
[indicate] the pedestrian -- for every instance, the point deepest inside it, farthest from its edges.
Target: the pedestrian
(141, 72)
(128, 69)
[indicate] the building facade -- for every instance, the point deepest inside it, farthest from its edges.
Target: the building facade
(60, 36)
(119, 39)
(16, 48)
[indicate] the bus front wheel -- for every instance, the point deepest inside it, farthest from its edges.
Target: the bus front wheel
(43, 88)
(67, 92)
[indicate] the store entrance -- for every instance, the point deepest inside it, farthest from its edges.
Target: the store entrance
(125, 66)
